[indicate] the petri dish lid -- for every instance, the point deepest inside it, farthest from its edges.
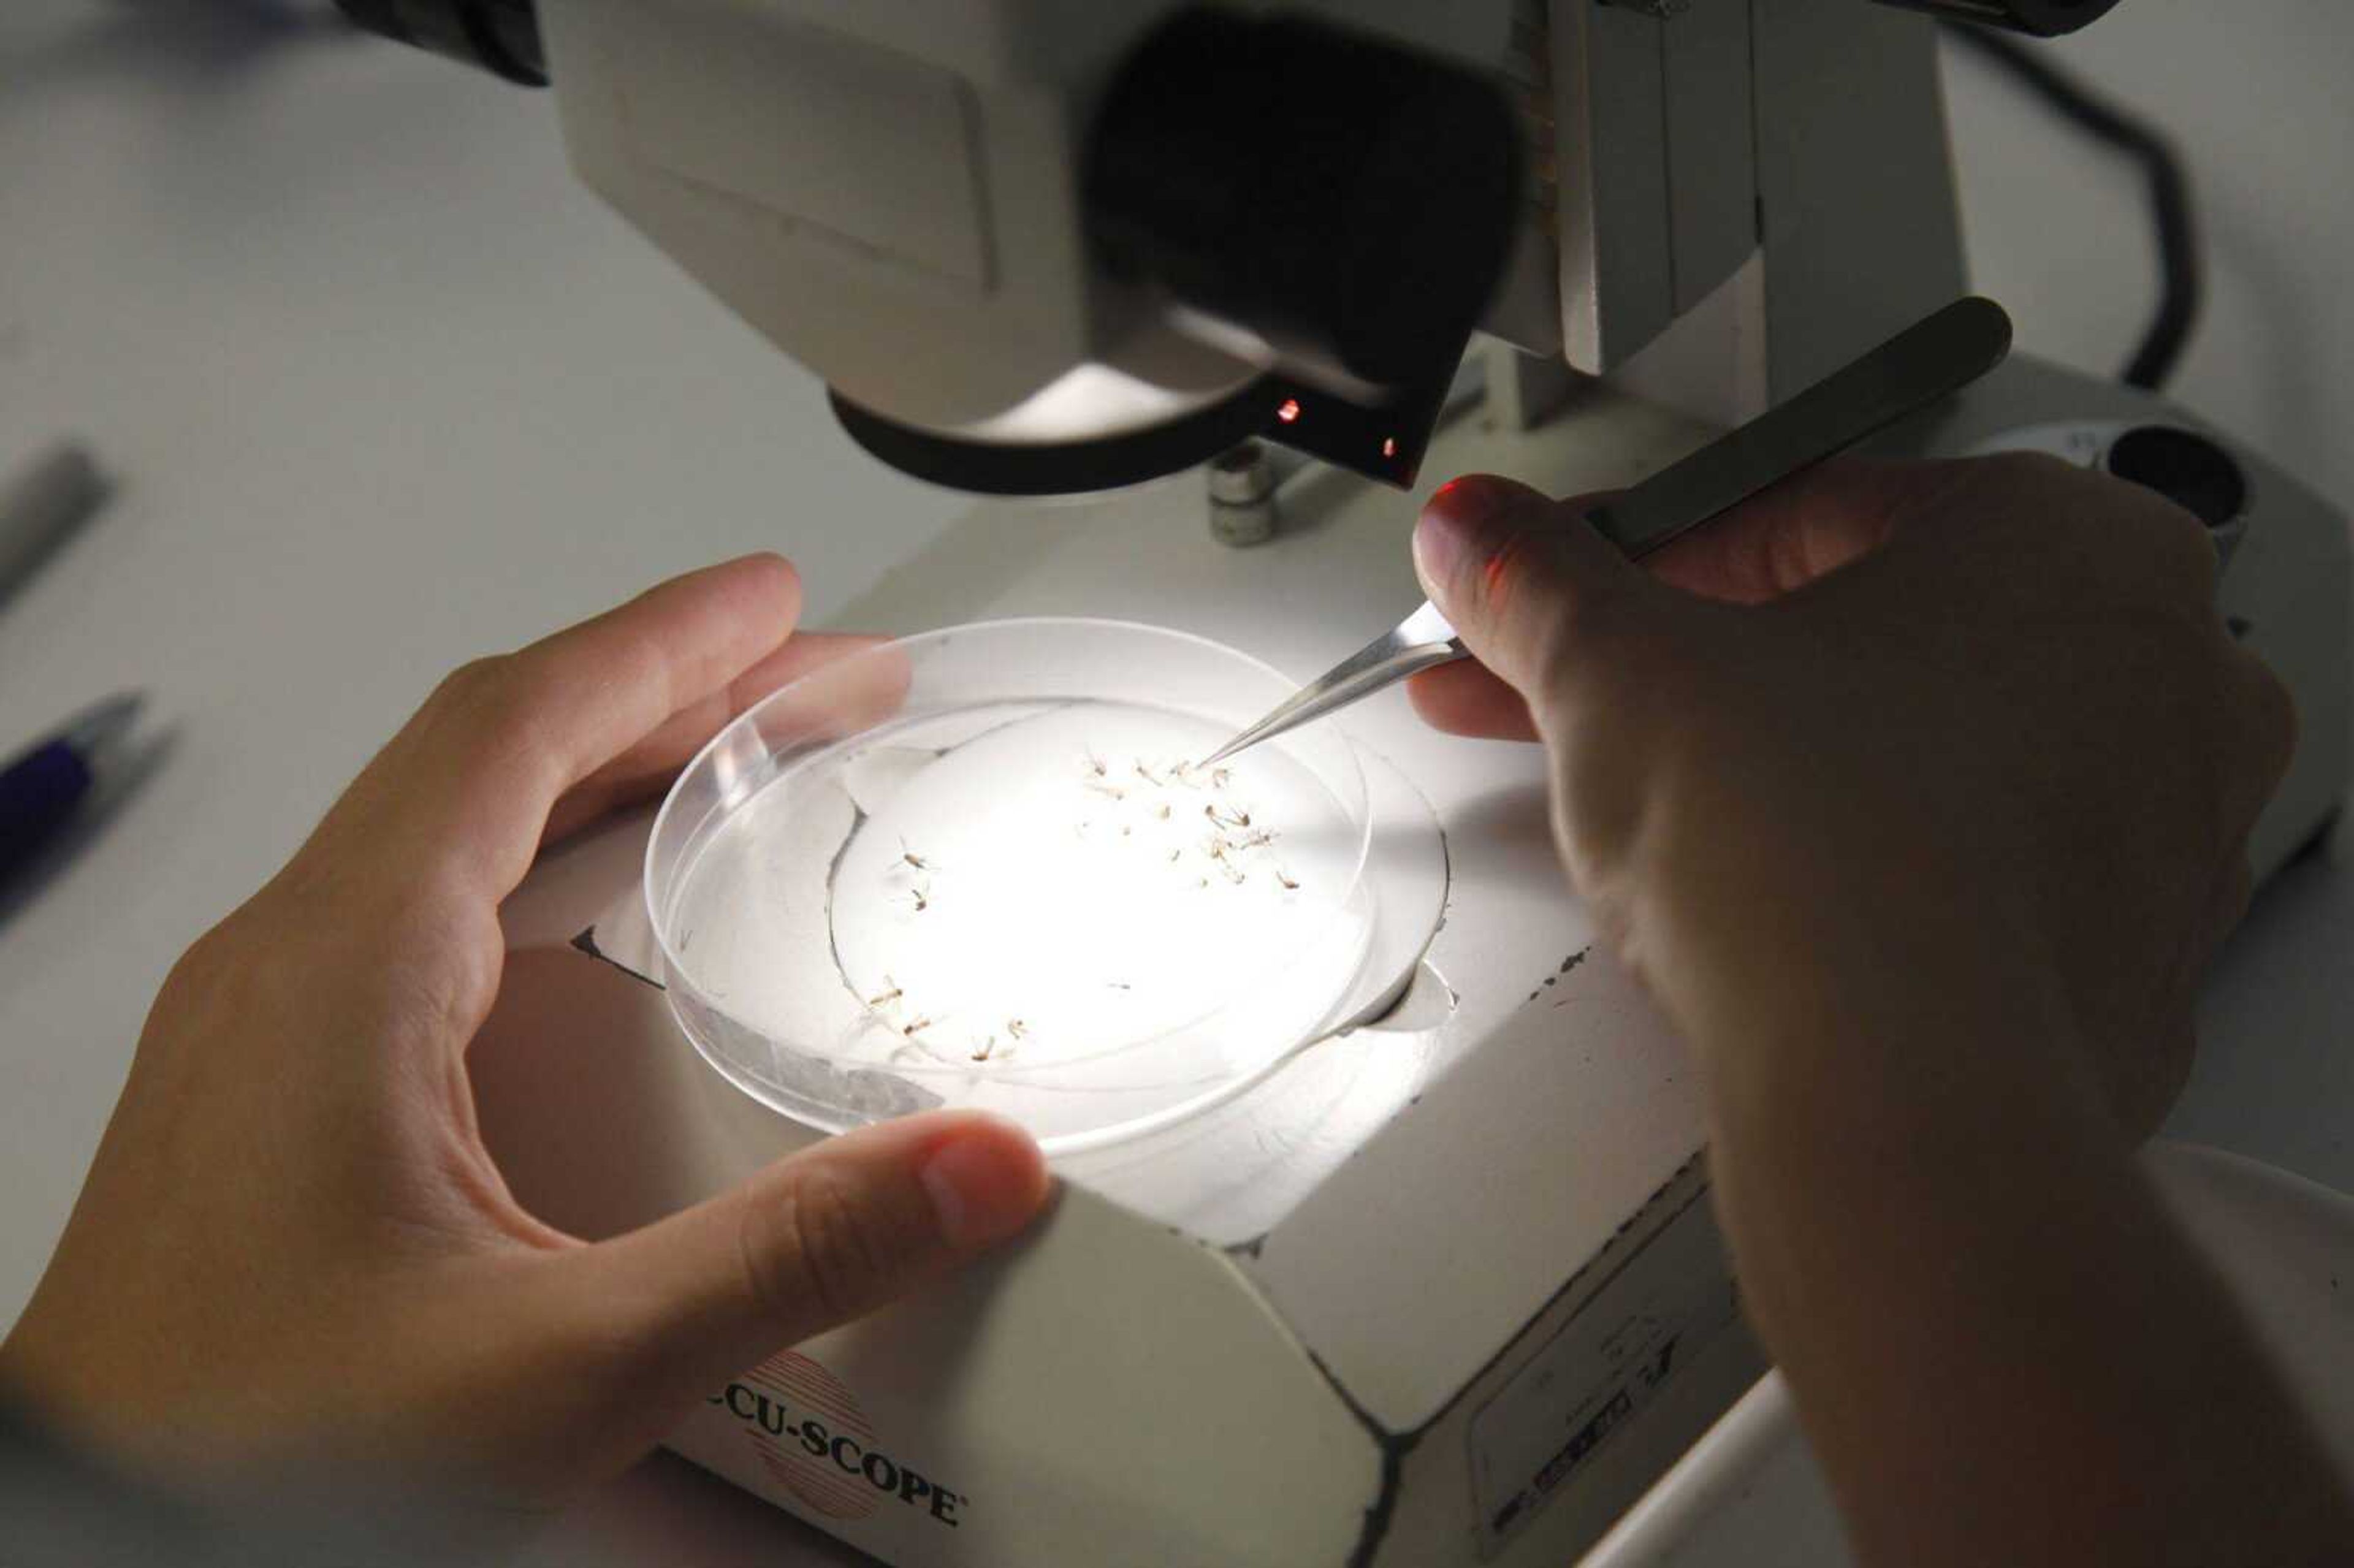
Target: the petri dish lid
(982, 867)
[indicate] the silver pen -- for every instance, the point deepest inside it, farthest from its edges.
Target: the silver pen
(40, 503)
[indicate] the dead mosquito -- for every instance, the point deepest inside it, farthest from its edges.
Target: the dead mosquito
(891, 993)
(912, 858)
(980, 1053)
(1225, 820)
(911, 1030)
(1147, 774)
(1114, 790)
(1016, 1028)
(1094, 764)
(1160, 812)
(1218, 776)
(923, 897)
(1288, 886)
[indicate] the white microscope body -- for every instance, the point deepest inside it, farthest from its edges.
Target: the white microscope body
(1447, 1287)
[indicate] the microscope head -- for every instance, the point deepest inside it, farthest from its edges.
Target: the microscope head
(1054, 246)
(1051, 246)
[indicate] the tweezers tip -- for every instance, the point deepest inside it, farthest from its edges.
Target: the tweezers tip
(1225, 751)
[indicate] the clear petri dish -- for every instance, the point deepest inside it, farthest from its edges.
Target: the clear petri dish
(985, 866)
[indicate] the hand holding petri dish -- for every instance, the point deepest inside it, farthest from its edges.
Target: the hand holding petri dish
(985, 866)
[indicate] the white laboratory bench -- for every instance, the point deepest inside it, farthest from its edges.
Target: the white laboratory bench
(380, 388)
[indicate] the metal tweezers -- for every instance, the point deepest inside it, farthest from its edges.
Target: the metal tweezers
(1912, 370)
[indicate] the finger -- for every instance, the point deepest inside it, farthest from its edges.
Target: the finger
(819, 1238)
(2269, 725)
(1466, 698)
(1783, 538)
(2231, 907)
(463, 793)
(1519, 575)
(848, 696)
(646, 770)
(2147, 1077)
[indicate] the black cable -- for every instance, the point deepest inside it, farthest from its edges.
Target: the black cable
(2184, 286)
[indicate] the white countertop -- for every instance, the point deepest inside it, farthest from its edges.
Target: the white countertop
(382, 389)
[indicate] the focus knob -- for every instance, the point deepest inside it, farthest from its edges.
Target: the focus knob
(1351, 202)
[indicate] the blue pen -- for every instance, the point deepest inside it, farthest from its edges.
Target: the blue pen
(43, 787)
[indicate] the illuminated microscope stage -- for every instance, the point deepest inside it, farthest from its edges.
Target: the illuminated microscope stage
(1018, 892)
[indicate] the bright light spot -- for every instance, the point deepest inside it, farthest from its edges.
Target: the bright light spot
(1085, 402)
(1288, 410)
(1389, 446)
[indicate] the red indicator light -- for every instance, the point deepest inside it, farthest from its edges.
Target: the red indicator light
(1389, 446)
(1288, 410)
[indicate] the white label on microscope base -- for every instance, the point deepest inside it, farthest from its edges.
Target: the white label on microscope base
(1540, 1431)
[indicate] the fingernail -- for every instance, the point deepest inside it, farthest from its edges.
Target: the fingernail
(984, 1185)
(1453, 522)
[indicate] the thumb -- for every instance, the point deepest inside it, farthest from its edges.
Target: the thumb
(813, 1241)
(1515, 571)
